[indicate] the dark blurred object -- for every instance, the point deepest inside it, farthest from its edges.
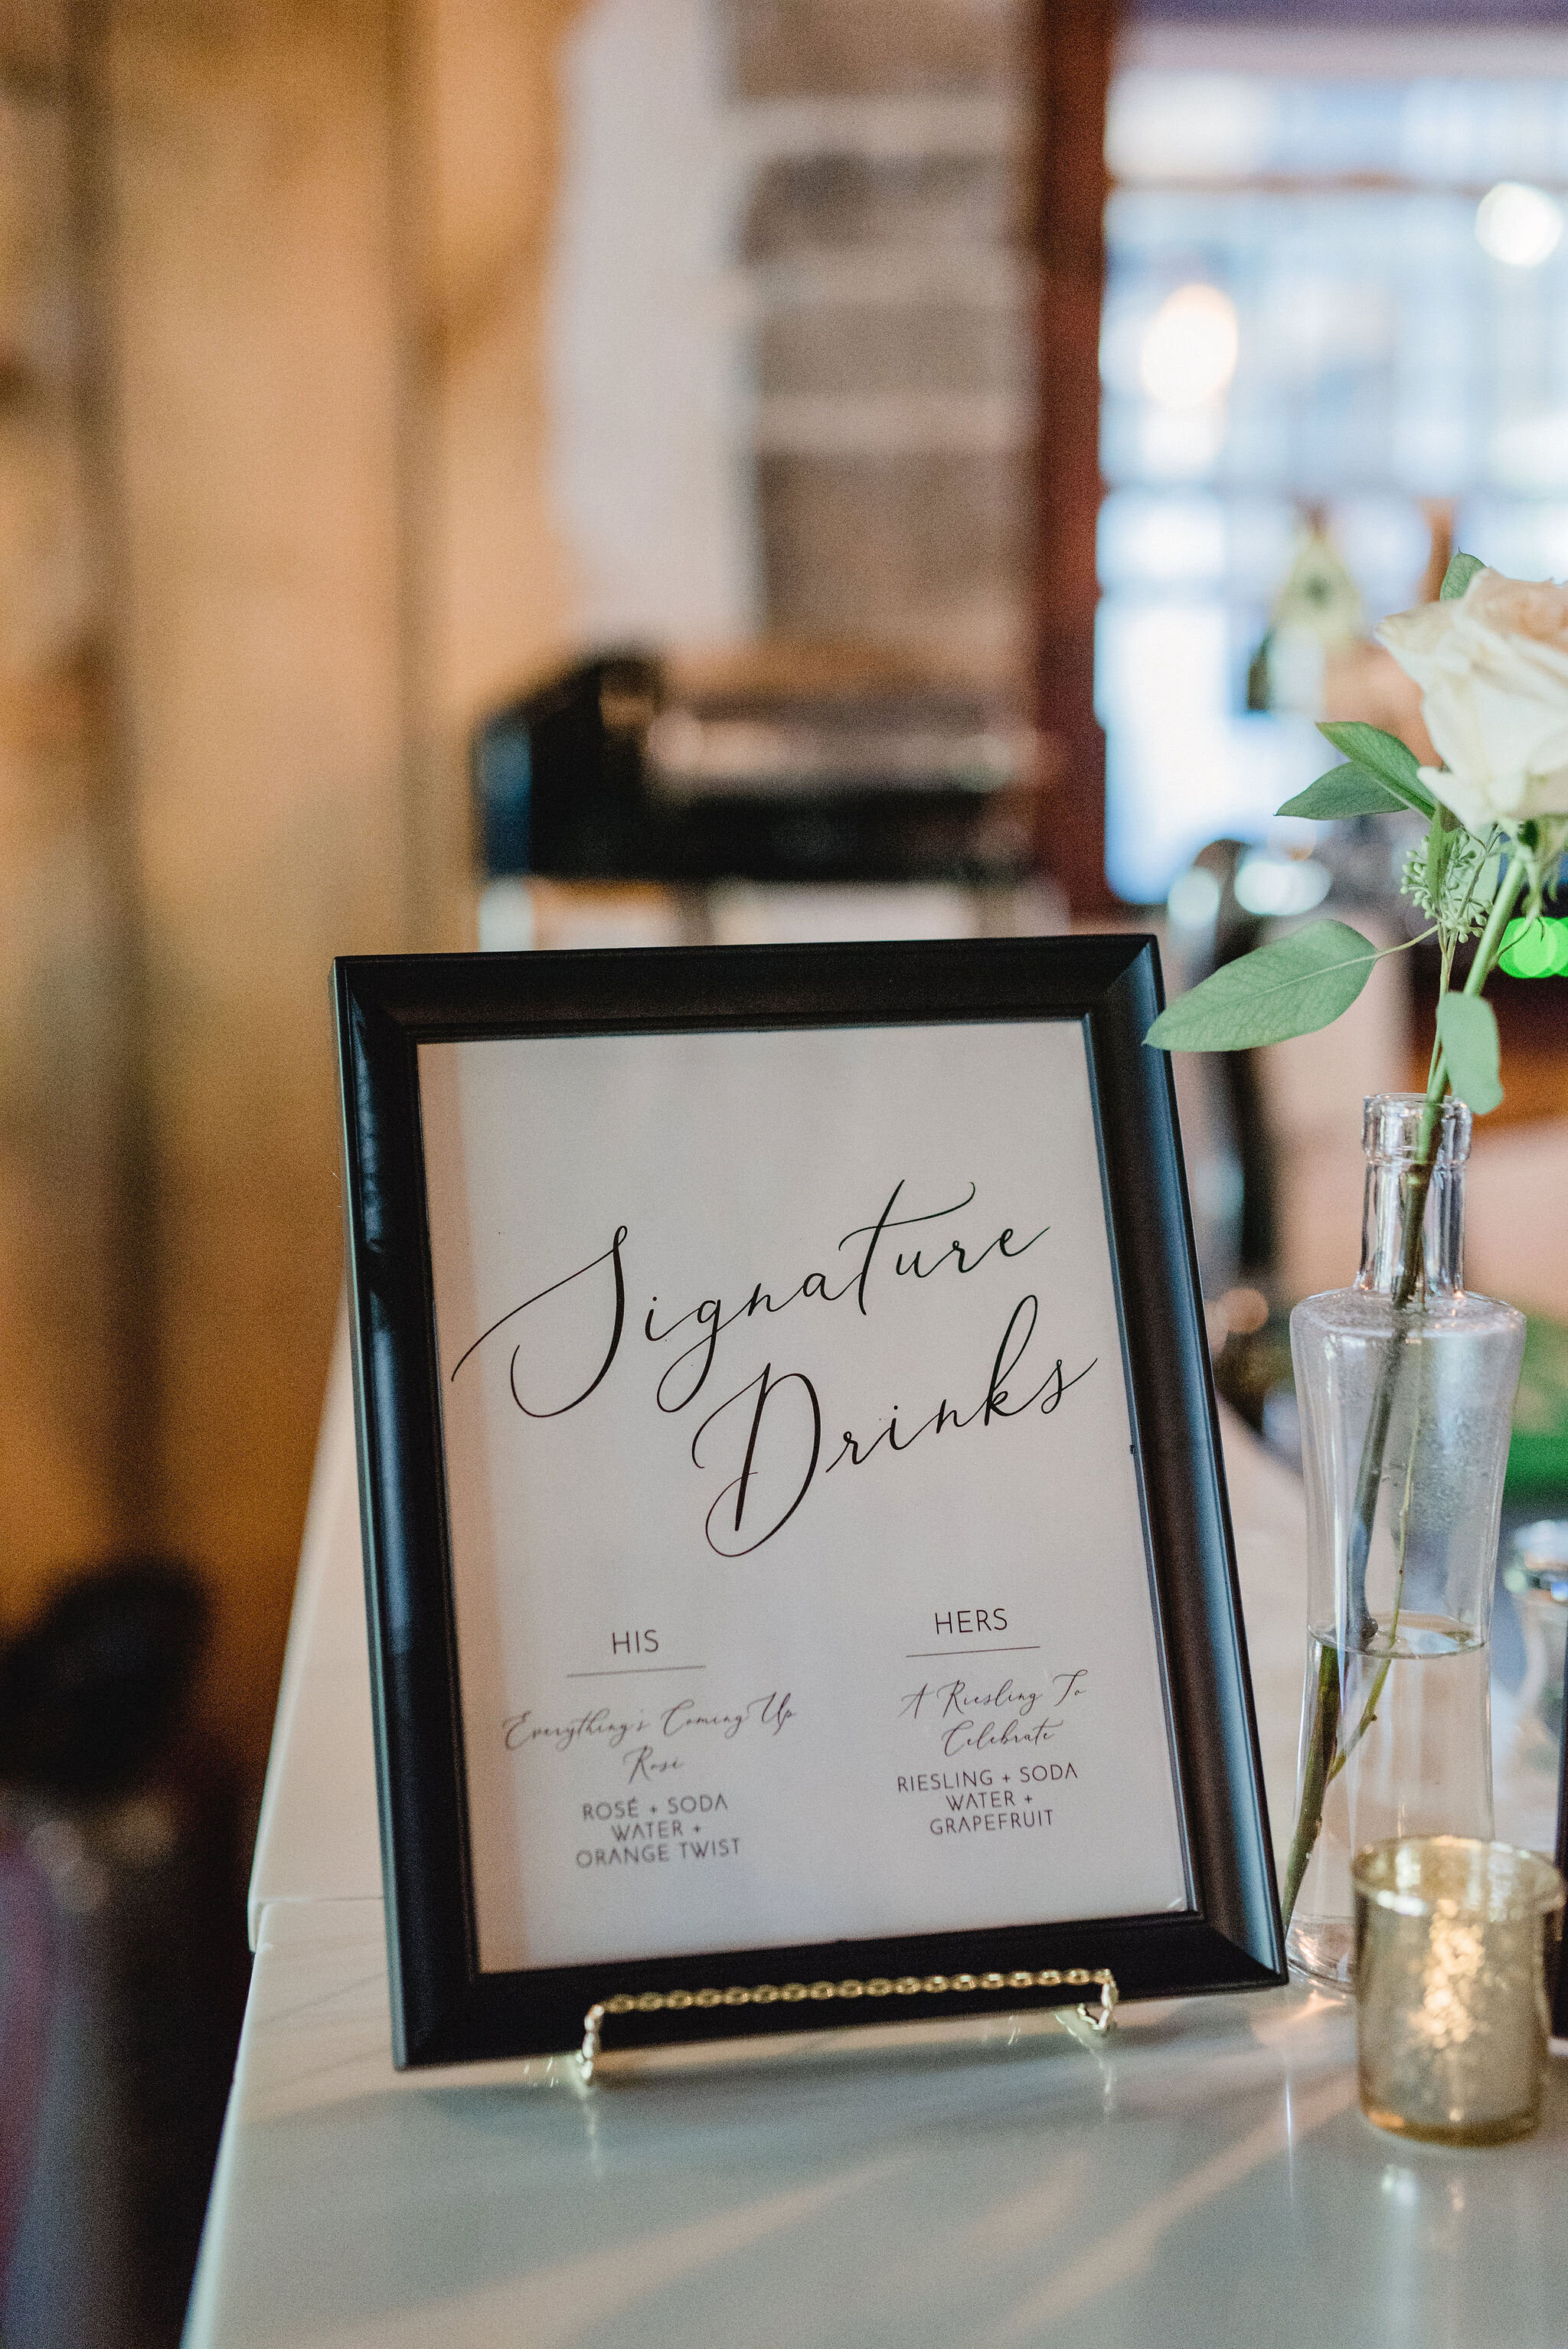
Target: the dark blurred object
(1252, 1365)
(1211, 926)
(91, 1693)
(28, 1968)
(607, 772)
(122, 1960)
(1249, 1343)
(1533, 1022)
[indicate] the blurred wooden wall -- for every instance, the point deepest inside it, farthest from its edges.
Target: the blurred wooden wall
(67, 1453)
(273, 528)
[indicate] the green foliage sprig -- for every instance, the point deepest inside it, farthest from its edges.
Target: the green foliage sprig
(1468, 883)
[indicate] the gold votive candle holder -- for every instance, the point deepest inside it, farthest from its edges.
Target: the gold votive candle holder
(1456, 1958)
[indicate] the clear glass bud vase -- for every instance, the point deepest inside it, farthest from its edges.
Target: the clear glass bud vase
(1406, 1386)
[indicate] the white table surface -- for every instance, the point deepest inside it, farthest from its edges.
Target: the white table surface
(1205, 2176)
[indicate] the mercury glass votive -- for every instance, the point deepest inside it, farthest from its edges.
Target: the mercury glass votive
(1456, 1958)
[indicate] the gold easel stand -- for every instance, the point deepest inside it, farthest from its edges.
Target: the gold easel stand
(676, 2002)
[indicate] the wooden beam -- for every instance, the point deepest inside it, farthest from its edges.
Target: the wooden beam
(255, 390)
(1072, 68)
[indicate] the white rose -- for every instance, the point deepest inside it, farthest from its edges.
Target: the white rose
(1492, 667)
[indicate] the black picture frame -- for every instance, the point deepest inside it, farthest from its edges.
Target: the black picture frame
(444, 2009)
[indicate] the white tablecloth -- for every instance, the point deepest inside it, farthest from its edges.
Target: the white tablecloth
(1203, 2177)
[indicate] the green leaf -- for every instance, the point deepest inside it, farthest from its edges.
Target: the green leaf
(1297, 984)
(1461, 570)
(1467, 1030)
(1537, 949)
(1345, 790)
(1392, 762)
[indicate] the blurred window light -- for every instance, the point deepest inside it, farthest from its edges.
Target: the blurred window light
(1260, 536)
(1341, 342)
(1179, 444)
(1188, 125)
(1173, 123)
(1530, 452)
(1432, 453)
(1181, 769)
(1204, 775)
(1167, 659)
(1527, 540)
(1314, 318)
(1385, 540)
(1519, 224)
(1267, 884)
(1162, 539)
(1123, 325)
(1190, 349)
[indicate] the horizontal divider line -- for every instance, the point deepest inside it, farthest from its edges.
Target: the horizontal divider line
(623, 1672)
(920, 1655)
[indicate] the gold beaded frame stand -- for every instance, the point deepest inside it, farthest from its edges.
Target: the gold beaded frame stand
(676, 2002)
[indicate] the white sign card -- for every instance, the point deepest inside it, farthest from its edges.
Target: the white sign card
(799, 1567)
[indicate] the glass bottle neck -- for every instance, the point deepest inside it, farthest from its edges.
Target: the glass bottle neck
(1400, 1187)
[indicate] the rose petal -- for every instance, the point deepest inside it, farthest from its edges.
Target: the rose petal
(1451, 708)
(1535, 665)
(1414, 637)
(1493, 666)
(1536, 610)
(1456, 793)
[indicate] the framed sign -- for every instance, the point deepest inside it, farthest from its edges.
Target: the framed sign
(795, 1538)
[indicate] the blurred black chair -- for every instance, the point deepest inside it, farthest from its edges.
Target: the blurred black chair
(1237, 1102)
(605, 773)
(122, 1960)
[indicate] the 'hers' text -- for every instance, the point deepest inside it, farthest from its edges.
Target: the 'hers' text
(965, 1622)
